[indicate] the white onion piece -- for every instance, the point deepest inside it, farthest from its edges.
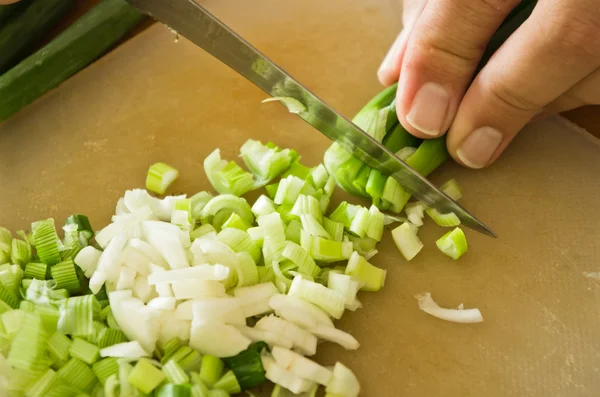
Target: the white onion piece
(173, 327)
(126, 278)
(148, 251)
(303, 341)
(301, 366)
(162, 303)
(255, 298)
(162, 289)
(142, 290)
(87, 259)
(191, 289)
(137, 321)
(280, 376)
(299, 312)
(201, 272)
(130, 350)
(343, 382)
(217, 339)
(269, 337)
(166, 239)
(108, 264)
(335, 335)
(429, 306)
(226, 310)
(592, 275)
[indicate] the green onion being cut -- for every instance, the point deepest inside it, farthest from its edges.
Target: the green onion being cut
(406, 152)
(77, 315)
(145, 376)
(247, 366)
(84, 351)
(375, 185)
(227, 177)
(211, 369)
(369, 277)
(20, 252)
(174, 373)
(65, 276)
(265, 162)
(452, 189)
(395, 195)
(292, 104)
(445, 220)
(453, 243)
(46, 241)
(415, 212)
(106, 368)
(228, 383)
(430, 154)
(78, 374)
(35, 270)
(376, 223)
(330, 301)
(160, 176)
(407, 241)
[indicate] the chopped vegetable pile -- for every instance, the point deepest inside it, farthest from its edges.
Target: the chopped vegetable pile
(211, 295)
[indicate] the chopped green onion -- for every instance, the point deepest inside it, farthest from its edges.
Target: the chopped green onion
(145, 376)
(311, 225)
(407, 241)
(228, 383)
(445, 220)
(218, 393)
(345, 285)
(293, 231)
(296, 169)
(272, 190)
(191, 362)
(129, 350)
(65, 276)
(288, 190)
(77, 315)
(307, 205)
(344, 213)
(415, 212)
(247, 367)
(360, 222)
(301, 258)
(370, 278)
(266, 163)
(319, 176)
(5, 240)
(452, 189)
(301, 366)
(35, 270)
(170, 348)
(12, 320)
(177, 355)
(182, 214)
(83, 227)
(263, 206)
(106, 368)
(20, 252)
(198, 201)
(376, 223)
(227, 177)
(78, 374)
(247, 271)
(71, 243)
(453, 243)
(236, 222)
(28, 349)
(239, 241)
(211, 369)
(343, 382)
(395, 195)
(274, 237)
(334, 229)
(330, 301)
(406, 152)
(160, 176)
(174, 373)
(9, 297)
(84, 351)
(226, 203)
(58, 346)
(293, 105)
(204, 230)
(325, 250)
(46, 241)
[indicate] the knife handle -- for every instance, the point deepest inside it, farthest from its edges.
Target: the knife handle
(510, 24)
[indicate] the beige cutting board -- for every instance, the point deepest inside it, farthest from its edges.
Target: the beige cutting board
(80, 147)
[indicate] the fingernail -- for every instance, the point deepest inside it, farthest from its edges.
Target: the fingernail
(429, 109)
(385, 74)
(478, 148)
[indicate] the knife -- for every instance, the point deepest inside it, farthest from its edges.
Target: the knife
(194, 22)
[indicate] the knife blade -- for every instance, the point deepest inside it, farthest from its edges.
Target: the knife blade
(195, 23)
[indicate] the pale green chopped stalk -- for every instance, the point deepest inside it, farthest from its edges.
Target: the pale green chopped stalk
(218, 393)
(182, 214)
(454, 243)
(105, 368)
(235, 221)
(274, 237)
(35, 270)
(145, 376)
(174, 373)
(49, 316)
(28, 349)
(77, 374)
(84, 351)
(110, 336)
(170, 348)
(360, 222)
(4, 256)
(282, 282)
(20, 380)
(5, 240)
(191, 362)
(44, 292)
(11, 321)
(311, 225)
(395, 195)
(376, 223)
(334, 229)
(288, 190)
(177, 355)
(343, 382)
(211, 369)
(344, 213)
(227, 177)
(297, 169)
(46, 241)
(293, 105)
(279, 391)
(65, 275)
(293, 230)
(445, 220)
(452, 189)
(265, 162)
(369, 277)
(301, 258)
(198, 201)
(247, 271)
(199, 391)
(330, 301)
(256, 235)
(41, 387)
(239, 241)
(202, 231)
(71, 242)
(226, 203)
(346, 285)
(324, 250)
(263, 206)
(20, 252)
(160, 176)
(228, 383)
(307, 205)
(58, 346)
(406, 152)
(406, 240)
(319, 176)
(415, 212)
(77, 315)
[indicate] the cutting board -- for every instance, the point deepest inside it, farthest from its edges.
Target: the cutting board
(161, 99)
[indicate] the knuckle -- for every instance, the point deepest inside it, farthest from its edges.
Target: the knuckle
(509, 99)
(575, 35)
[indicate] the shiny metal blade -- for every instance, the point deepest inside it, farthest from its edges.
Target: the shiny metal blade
(195, 23)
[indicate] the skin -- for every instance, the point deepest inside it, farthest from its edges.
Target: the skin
(549, 65)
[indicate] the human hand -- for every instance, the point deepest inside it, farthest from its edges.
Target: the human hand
(549, 65)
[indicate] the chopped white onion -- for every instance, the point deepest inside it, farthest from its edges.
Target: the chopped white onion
(429, 306)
